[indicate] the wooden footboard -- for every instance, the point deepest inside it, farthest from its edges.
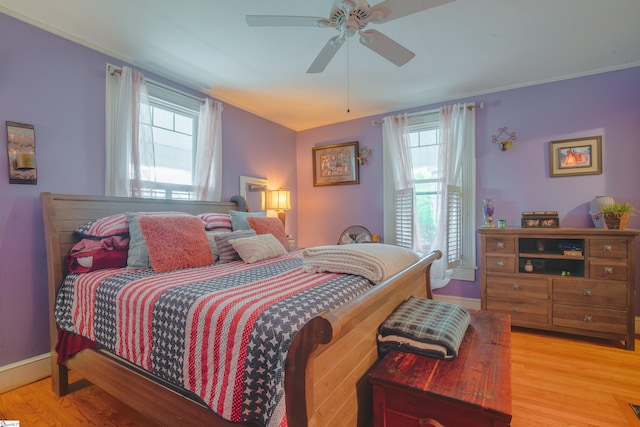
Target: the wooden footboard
(326, 365)
(330, 356)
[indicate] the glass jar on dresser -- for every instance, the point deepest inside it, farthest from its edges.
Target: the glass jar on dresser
(573, 280)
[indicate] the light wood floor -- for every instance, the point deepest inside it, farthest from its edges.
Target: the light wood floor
(556, 381)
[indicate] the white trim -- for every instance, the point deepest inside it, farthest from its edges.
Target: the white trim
(469, 303)
(464, 272)
(24, 372)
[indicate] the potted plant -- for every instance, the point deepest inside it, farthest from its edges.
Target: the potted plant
(616, 215)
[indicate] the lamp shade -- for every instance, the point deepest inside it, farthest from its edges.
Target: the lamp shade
(279, 200)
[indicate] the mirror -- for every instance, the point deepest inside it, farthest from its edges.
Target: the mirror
(254, 191)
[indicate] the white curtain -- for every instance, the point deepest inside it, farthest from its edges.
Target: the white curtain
(208, 168)
(129, 145)
(454, 129)
(397, 170)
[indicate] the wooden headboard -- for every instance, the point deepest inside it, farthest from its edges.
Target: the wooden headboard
(63, 213)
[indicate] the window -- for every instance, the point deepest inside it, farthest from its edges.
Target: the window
(424, 139)
(174, 126)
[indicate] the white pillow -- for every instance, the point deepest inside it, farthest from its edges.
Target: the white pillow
(258, 248)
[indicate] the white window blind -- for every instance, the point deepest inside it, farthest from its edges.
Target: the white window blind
(404, 217)
(454, 226)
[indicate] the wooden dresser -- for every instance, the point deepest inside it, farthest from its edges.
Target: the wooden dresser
(473, 390)
(574, 280)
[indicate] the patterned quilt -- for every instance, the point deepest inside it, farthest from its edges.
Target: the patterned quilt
(221, 332)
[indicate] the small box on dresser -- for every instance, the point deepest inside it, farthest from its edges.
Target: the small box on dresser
(582, 280)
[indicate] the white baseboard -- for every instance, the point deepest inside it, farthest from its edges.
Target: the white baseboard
(470, 303)
(24, 372)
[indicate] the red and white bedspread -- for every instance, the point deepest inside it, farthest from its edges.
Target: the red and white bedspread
(221, 331)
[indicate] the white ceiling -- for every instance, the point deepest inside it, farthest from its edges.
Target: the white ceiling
(463, 48)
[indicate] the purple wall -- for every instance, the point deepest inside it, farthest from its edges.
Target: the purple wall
(518, 180)
(59, 87)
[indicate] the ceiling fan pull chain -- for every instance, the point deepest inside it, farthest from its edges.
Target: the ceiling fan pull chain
(348, 79)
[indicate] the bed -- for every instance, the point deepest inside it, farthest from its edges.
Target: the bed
(326, 362)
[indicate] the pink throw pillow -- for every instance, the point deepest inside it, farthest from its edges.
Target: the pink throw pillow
(270, 226)
(175, 242)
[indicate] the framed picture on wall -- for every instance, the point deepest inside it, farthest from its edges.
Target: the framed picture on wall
(21, 151)
(581, 156)
(336, 164)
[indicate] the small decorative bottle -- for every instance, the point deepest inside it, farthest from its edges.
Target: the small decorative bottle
(487, 211)
(528, 266)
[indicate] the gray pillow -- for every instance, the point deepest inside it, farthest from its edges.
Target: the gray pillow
(239, 219)
(138, 256)
(226, 252)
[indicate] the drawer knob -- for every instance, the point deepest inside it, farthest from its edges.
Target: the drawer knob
(500, 245)
(515, 286)
(516, 309)
(500, 263)
(586, 292)
(607, 248)
(608, 270)
(588, 318)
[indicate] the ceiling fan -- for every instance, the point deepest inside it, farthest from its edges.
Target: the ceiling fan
(350, 17)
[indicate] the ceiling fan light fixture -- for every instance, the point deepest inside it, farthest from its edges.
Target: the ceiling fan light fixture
(375, 16)
(350, 17)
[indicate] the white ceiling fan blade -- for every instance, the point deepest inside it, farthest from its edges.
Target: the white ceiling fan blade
(385, 47)
(394, 9)
(285, 21)
(326, 54)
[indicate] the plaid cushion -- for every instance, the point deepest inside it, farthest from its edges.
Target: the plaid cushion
(424, 326)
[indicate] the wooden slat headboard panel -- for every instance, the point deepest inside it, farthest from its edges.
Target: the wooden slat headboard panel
(63, 213)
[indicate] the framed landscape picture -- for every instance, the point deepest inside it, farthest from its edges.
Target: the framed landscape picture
(581, 156)
(336, 164)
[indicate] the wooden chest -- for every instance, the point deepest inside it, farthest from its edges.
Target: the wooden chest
(473, 390)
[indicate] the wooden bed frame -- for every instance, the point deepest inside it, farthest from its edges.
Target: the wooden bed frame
(327, 363)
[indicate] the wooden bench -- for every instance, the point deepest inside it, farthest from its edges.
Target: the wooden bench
(473, 390)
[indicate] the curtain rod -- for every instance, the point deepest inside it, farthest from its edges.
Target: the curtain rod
(118, 70)
(469, 107)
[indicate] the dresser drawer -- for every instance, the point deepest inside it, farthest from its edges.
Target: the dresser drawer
(500, 263)
(517, 287)
(522, 312)
(503, 245)
(608, 248)
(610, 294)
(589, 318)
(607, 269)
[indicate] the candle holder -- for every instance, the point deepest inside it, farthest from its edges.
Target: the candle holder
(487, 211)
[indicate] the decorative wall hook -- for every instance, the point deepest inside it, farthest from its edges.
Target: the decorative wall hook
(504, 138)
(363, 154)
